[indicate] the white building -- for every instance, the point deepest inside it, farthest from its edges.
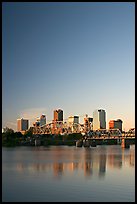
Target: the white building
(73, 123)
(99, 119)
(73, 119)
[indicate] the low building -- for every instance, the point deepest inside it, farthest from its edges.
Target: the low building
(88, 123)
(73, 119)
(73, 123)
(115, 124)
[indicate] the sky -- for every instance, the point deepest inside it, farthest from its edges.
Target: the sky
(73, 56)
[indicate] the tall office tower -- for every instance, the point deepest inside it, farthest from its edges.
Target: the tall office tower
(115, 124)
(57, 122)
(22, 124)
(99, 119)
(58, 115)
(42, 120)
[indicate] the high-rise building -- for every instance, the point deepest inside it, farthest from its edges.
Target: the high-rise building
(57, 121)
(42, 120)
(115, 124)
(99, 119)
(58, 115)
(22, 125)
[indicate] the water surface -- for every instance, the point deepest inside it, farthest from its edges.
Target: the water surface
(105, 173)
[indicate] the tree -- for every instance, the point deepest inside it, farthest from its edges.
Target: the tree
(28, 133)
(8, 137)
(8, 130)
(18, 134)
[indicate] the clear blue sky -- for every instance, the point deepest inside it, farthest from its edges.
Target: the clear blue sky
(75, 56)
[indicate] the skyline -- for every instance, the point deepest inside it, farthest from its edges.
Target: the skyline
(67, 120)
(74, 56)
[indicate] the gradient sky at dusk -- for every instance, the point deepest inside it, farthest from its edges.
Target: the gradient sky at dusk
(75, 56)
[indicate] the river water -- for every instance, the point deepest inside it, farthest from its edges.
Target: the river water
(105, 173)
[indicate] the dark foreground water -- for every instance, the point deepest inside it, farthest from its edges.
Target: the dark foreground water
(67, 174)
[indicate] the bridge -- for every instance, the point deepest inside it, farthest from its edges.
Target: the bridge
(90, 137)
(124, 139)
(60, 127)
(93, 142)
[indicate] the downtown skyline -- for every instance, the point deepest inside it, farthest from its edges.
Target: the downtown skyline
(74, 56)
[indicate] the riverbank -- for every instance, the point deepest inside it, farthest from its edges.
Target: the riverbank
(12, 140)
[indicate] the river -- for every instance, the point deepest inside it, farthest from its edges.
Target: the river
(105, 173)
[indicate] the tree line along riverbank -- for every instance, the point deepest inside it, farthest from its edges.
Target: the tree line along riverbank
(11, 138)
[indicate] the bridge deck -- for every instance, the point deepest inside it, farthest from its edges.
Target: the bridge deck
(110, 137)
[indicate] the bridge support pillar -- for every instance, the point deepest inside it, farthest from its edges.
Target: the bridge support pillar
(124, 144)
(119, 141)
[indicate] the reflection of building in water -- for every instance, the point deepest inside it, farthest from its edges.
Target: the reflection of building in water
(128, 159)
(91, 162)
(88, 163)
(36, 167)
(102, 164)
(75, 165)
(39, 167)
(132, 157)
(88, 168)
(71, 166)
(20, 167)
(58, 169)
(95, 165)
(115, 160)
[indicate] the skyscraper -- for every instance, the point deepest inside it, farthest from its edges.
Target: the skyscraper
(42, 120)
(57, 121)
(58, 115)
(22, 124)
(99, 119)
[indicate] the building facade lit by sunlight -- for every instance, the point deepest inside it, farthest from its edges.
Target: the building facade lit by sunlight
(99, 119)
